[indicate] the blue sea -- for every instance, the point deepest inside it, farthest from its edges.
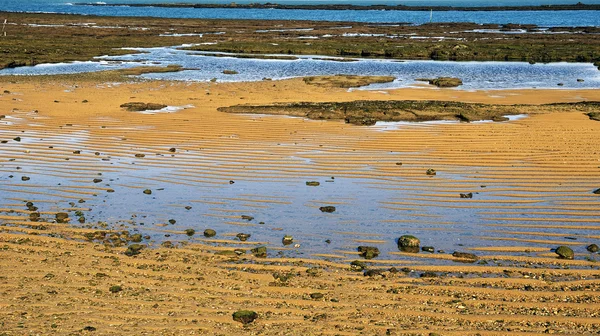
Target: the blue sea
(540, 18)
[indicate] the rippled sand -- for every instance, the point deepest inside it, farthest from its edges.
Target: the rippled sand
(533, 180)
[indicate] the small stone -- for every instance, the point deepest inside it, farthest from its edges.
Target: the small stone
(431, 171)
(564, 252)
(172, 221)
(210, 233)
(429, 249)
(190, 232)
(61, 217)
(172, 150)
(134, 249)
(115, 289)
(592, 248)
(316, 296)
(89, 328)
(97, 180)
(17, 139)
(167, 244)
(374, 272)
(140, 155)
(463, 255)
(580, 80)
(287, 240)
(147, 192)
(327, 208)
(467, 195)
(245, 316)
(248, 218)
(243, 236)
(25, 178)
(368, 252)
(313, 183)
(259, 252)
(357, 266)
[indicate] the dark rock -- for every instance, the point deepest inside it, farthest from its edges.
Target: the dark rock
(564, 252)
(287, 240)
(248, 218)
(357, 266)
(428, 249)
(140, 155)
(313, 183)
(210, 233)
(431, 172)
(25, 178)
(259, 252)
(167, 244)
(17, 139)
(190, 232)
(89, 328)
(245, 316)
(580, 80)
(328, 208)
(115, 289)
(147, 192)
(243, 236)
(97, 180)
(172, 150)
(467, 195)
(446, 82)
(313, 271)
(136, 238)
(230, 72)
(560, 84)
(172, 221)
(61, 217)
(463, 255)
(316, 296)
(368, 252)
(134, 249)
(593, 248)
(597, 191)
(374, 272)
(428, 274)
(408, 241)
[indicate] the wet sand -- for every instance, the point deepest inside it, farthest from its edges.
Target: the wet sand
(539, 173)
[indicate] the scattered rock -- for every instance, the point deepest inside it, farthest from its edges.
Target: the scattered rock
(25, 178)
(429, 249)
(210, 233)
(374, 272)
(230, 72)
(597, 191)
(431, 171)
(147, 192)
(357, 266)
(190, 232)
(368, 252)
(140, 155)
(259, 252)
(287, 240)
(409, 243)
(136, 238)
(248, 218)
(428, 274)
(167, 244)
(328, 208)
(62, 217)
(593, 248)
(115, 289)
(564, 252)
(245, 316)
(467, 195)
(446, 82)
(243, 236)
(464, 255)
(316, 296)
(139, 106)
(313, 183)
(134, 249)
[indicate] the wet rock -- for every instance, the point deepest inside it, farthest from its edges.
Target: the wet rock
(259, 252)
(172, 221)
(597, 191)
(134, 249)
(429, 249)
(245, 316)
(431, 172)
(188, 208)
(17, 139)
(467, 195)
(62, 217)
(464, 255)
(190, 232)
(368, 252)
(357, 266)
(210, 233)
(167, 244)
(140, 155)
(328, 208)
(593, 248)
(313, 183)
(147, 192)
(428, 274)
(564, 252)
(89, 328)
(328, 241)
(287, 240)
(374, 272)
(97, 180)
(248, 218)
(243, 236)
(139, 106)
(136, 237)
(316, 296)
(230, 72)
(560, 84)
(408, 243)
(580, 80)
(446, 82)
(172, 150)
(115, 289)
(25, 178)
(231, 182)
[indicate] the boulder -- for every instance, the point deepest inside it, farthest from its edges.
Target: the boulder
(139, 106)
(243, 236)
(593, 248)
(564, 252)
(446, 82)
(467, 195)
(259, 252)
(464, 255)
(357, 266)
(368, 252)
(327, 208)
(287, 240)
(210, 233)
(245, 316)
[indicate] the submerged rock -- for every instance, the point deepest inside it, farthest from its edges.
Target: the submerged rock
(243, 236)
(210, 233)
(139, 106)
(464, 255)
(408, 241)
(446, 82)
(313, 183)
(287, 240)
(431, 171)
(368, 252)
(564, 252)
(328, 208)
(259, 252)
(467, 195)
(593, 248)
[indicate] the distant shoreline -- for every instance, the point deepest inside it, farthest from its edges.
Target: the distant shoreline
(565, 7)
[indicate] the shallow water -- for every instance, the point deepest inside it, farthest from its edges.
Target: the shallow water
(475, 75)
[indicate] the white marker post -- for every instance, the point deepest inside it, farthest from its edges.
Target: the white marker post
(3, 27)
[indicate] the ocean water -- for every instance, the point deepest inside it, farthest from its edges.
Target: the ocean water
(475, 75)
(541, 18)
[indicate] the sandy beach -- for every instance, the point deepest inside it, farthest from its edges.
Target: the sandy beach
(59, 278)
